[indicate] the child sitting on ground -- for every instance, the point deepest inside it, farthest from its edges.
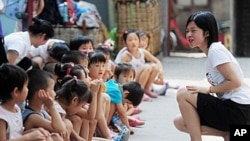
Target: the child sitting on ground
(109, 64)
(129, 93)
(136, 56)
(82, 43)
(125, 73)
(159, 81)
(14, 82)
(40, 97)
(71, 98)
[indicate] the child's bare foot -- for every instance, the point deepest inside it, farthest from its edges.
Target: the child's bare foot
(136, 111)
(146, 98)
(151, 94)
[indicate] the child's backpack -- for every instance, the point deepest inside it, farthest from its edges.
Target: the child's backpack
(15, 9)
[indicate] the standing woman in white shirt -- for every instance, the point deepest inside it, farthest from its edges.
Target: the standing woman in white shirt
(19, 43)
(203, 113)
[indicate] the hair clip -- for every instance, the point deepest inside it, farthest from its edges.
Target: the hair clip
(68, 71)
(126, 32)
(75, 79)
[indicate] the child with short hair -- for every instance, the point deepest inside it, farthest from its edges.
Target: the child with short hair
(144, 39)
(82, 43)
(14, 82)
(85, 120)
(96, 68)
(109, 64)
(130, 92)
(125, 73)
(76, 57)
(40, 97)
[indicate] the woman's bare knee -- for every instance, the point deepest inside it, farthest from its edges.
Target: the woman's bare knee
(181, 94)
(179, 123)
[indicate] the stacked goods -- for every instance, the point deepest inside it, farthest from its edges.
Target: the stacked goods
(144, 15)
(67, 32)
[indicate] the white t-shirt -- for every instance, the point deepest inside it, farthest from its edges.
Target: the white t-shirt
(18, 41)
(217, 55)
(42, 49)
(59, 108)
(14, 122)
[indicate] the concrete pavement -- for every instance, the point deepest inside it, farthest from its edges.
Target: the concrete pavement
(159, 113)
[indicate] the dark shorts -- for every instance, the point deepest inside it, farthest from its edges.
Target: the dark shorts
(220, 114)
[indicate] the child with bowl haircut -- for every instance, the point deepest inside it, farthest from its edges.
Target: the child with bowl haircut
(124, 73)
(82, 43)
(131, 93)
(96, 68)
(40, 97)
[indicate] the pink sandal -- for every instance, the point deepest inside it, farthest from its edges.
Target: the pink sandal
(136, 123)
(136, 111)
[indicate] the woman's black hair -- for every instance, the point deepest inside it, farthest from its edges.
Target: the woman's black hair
(96, 57)
(78, 40)
(41, 26)
(207, 22)
(57, 50)
(11, 76)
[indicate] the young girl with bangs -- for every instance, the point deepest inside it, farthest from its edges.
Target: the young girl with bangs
(136, 56)
(71, 98)
(85, 120)
(14, 82)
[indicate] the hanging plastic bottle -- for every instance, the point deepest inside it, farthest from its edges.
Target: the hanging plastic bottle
(63, 7)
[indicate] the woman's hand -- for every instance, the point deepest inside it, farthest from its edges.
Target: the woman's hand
(198, 89)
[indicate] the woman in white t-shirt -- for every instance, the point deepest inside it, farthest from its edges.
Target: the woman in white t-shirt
(18, 44)
(203, 113)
